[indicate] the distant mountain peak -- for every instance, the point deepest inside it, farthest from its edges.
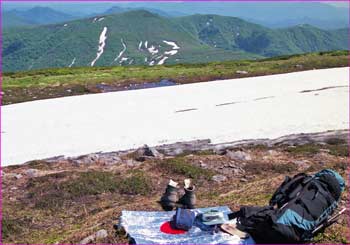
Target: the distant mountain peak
(39, 15)
(141, 12)
(42, 8)
(114, 10)
(44, 11)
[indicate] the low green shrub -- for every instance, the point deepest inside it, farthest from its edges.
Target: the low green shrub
(304, 149)
(52, 193)
(179, 165)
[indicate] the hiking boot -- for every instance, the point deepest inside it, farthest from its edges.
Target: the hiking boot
(170, 196)
(188, 200)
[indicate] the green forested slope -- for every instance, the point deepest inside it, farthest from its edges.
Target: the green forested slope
(197, 38)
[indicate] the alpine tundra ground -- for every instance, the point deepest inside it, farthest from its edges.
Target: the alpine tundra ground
(67, 200)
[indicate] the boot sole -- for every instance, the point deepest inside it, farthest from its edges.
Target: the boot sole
(169, 206)
(185, 206)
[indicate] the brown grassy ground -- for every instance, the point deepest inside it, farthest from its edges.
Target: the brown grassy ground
(68, 202)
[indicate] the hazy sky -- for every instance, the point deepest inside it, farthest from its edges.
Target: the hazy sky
(99, 6)
(339, 4)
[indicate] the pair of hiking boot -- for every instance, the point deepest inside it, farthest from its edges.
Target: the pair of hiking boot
(170, 199)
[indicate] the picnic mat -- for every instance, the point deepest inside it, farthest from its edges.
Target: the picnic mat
(145, 228)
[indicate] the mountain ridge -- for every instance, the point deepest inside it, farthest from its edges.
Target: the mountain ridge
(144, 38)
(270, 14)
(34, 17)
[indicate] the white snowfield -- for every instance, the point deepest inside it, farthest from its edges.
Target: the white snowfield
(223, 111)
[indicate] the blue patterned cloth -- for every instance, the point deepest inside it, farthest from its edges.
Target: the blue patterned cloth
(144, 228)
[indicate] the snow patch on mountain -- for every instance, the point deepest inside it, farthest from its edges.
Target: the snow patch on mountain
(153, 50)
(73, 61)
(171, 52)
(158, 57)
(101, 46)
(123, 50)
(140, 45)
(173, 44)
(162, 58)
(123, 59)
(161, 62)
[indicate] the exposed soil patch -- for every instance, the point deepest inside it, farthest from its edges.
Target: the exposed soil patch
(320, 89)
(185, 110)
(264, 98)
(228, 103)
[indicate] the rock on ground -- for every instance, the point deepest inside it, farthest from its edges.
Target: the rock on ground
(241, 72)
(239, 155)
(32, 173)
(219, 178)
(101, 234)
(145, 152)
(87, 240)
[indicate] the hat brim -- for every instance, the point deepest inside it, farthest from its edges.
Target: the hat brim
(215, 222)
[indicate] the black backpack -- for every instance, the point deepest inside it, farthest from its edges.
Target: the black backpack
(296, 210)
